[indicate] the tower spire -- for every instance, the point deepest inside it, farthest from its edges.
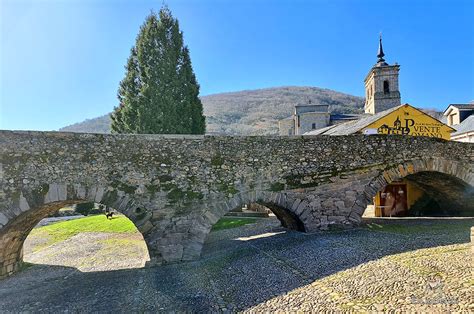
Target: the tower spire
(380, 53)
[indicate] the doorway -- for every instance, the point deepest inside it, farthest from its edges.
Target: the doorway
(393, 201)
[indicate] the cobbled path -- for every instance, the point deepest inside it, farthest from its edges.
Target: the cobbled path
(422, 265)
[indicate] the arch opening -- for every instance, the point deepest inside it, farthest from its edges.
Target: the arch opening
(287, 219)
(262, 209)
(68, 234)
(386, 87)
(423, 194)
(268, 220)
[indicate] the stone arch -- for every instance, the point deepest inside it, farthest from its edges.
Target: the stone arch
(451, 168)
(290, 210)
(37, 202)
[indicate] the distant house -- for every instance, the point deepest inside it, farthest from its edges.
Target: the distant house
(457, 113)
(464, 131)
(461, 118)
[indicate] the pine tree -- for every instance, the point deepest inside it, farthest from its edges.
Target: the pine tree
(159, 93)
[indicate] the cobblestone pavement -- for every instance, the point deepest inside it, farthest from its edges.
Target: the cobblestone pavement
(409, 265)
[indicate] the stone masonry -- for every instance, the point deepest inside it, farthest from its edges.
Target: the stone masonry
(377, 99)
(174, 188)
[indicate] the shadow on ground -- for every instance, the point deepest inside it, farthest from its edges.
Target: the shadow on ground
(237, 270)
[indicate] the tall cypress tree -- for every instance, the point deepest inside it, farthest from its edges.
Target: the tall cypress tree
(159, 93)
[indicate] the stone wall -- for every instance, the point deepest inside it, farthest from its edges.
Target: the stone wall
(174, 188)
(386, 101)
(376, 99)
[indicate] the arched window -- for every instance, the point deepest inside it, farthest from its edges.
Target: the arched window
(386, 88)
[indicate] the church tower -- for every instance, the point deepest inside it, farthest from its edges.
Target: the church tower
(381, 85)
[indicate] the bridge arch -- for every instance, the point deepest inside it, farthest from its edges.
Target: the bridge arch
(438, 177)
(45, 199)
(283, 204)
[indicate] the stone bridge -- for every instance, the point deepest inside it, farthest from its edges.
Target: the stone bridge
(174, 188)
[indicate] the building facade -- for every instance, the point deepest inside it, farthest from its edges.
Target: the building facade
(305, 117)
(461, 118)
(310, 117)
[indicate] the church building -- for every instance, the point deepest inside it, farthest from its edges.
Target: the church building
(381, 93)
(384, 113)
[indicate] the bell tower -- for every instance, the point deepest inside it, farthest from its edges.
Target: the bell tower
(381, 85)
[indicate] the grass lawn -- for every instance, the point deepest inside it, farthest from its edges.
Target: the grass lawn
(230, 222)
(64, 230)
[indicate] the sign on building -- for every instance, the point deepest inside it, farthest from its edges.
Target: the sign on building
(407, 120)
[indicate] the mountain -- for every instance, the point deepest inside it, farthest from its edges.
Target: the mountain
(95, 125)
(250, 112)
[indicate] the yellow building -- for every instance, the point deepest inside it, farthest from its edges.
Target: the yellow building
(399, 120)
(407, 120)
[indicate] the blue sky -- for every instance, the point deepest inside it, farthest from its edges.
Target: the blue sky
(61, 60)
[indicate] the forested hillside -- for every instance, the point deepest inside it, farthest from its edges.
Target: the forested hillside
(250, 112)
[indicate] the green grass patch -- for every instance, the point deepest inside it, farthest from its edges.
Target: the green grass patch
(230, 222)
(64, 230)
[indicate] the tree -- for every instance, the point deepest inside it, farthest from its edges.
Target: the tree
(159, 93)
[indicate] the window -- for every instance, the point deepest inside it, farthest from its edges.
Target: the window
(313, 126)
(386, 88)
